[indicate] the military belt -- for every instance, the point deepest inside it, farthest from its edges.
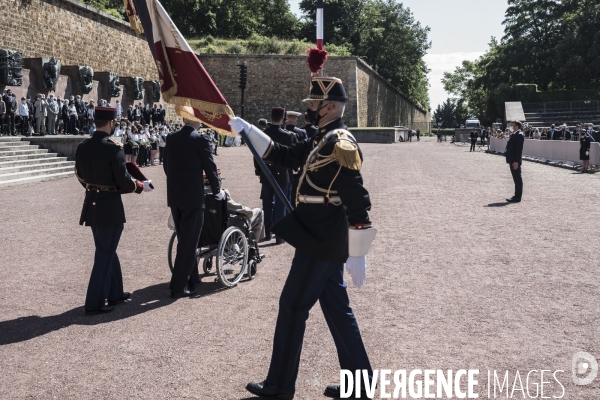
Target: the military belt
(334, 200)
(100, 188)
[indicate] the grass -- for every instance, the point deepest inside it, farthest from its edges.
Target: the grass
(257, 44)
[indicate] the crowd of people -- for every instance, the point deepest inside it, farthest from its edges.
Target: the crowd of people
(563, 132)
(73, 116)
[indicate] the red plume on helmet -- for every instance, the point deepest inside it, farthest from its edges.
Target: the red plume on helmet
(316, 59)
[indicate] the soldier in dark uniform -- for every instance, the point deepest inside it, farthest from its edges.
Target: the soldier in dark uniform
(291, 123)
(514, 158)
(329, 226)
(474, 136)
(100, 167)
(309, 128)
(273, 208)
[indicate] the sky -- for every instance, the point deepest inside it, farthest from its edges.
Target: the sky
(460, 30)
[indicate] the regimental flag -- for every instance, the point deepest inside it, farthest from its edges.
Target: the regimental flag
(183, 79)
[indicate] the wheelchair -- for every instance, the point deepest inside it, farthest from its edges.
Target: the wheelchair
(226, 243)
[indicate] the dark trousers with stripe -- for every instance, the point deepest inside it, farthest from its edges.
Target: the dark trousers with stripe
(310, 280)
(106, 281)
(188, 224)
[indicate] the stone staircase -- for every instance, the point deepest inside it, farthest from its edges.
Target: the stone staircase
(21, 162)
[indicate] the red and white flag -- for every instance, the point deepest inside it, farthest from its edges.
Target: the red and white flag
(183, 79)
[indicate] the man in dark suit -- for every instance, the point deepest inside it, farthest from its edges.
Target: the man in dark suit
(273, 207)
(474, 137)
(553, 133)
(187, 156)
(514, 158)
(564, 133)
(309, 128)
(101, 170)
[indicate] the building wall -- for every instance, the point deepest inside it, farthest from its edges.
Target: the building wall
(275, 80)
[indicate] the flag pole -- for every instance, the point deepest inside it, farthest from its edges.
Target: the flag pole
(268, 174)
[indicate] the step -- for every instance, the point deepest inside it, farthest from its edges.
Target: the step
(31, 161)
(37, 172)
(35, 167)
(10, 139)
(13, 144)
(17, 146)
(38, 178)
(27, 157)
(22, 152)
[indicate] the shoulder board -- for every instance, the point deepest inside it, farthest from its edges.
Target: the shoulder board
(115, 141)
(345, 150)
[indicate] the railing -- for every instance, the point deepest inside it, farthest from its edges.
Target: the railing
(554, 106)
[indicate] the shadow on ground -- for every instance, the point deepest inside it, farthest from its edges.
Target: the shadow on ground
(144, 300)
(503, 204)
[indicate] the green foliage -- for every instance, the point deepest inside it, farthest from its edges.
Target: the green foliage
(236, 48)
(554, 44)
(451, 114)
(111, 7)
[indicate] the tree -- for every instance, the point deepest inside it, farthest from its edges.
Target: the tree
(451, 113)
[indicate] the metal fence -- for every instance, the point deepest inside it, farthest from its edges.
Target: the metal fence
(557, 106)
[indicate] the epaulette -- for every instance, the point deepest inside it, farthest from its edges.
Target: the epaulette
(115, 141)
(345, 150)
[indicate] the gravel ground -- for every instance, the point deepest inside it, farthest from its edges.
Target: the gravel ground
(456, 280)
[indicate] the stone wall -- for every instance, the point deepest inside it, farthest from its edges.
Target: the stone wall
(275, 80)
(381, 104)
(75, 34)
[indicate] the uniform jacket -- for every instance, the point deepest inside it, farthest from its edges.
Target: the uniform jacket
(187, 156)
(318, 230)
(310, 130)
(100, 161)
(300, 133)
(514, 148)
(281, 174)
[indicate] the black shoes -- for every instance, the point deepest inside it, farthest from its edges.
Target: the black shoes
(186, 293)
(279, 241)
(334, 392)
(514, 200)
(103, 310)
(267, 391)
(125, 296)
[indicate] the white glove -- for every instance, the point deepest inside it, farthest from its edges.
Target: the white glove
(147, 187)
(238, 125)
(221, 195)
(587, 153)
(357, 268)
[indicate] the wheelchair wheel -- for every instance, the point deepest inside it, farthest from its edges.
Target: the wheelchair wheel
(232, 256)
(207, 264)
(172, 252)
(251, 269)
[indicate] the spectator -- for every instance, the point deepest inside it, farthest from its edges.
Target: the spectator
(584, 151)
(41, 112)
(552, 133)
(155, 115)
(80, 108)
(162, 143)
(439, 135)
(53, 111)
(147, 114)
(119, 110)
(544, 134)
(163, 113)
(564, 133)
(24, 114)
(537, 134)
(418, 134)
(11, 109)
(64, 114)
(73, 119)
(2, 115)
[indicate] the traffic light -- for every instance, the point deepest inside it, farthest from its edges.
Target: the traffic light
(243, 75)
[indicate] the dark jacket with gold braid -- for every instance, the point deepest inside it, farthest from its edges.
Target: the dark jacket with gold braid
(100, 168)
(333, 177)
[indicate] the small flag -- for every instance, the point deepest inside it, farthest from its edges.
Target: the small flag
(183, 79)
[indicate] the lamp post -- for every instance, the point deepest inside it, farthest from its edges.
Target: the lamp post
(243, 81)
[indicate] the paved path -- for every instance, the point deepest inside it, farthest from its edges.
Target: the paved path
(455, 281)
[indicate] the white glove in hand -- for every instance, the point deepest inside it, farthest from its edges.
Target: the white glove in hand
(221, 195)
(238, 125)
(587, 153)
(147, 187)
(357, 268)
